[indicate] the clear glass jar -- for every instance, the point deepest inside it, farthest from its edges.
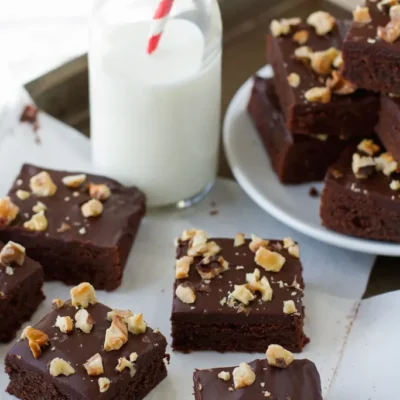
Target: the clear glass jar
(155, 119)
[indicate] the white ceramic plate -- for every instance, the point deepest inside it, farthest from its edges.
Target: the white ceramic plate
(292, 205)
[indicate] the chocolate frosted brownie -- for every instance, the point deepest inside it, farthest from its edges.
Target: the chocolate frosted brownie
(21, 282)
(278, 377)
(388, 127)
(361, 195)
(314, 96)
(295, 158)
(78, 226)
(85, 350)
(237, 295)
(371, 50)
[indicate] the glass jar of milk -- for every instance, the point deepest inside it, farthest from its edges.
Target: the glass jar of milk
(155, 119)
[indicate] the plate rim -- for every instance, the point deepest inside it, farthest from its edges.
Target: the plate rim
(321, 234)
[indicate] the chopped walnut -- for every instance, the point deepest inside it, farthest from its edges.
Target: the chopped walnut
(279, 357)
(362, 15)
(242, 294)
(23, 194)
(294, 80)
(12, 253)
(289, 307)
(384, 5)
(239, 240)
(282, 27)
(318, 95)
(189, 234)
(269, 260)
(224, 375)
(116, 335)
(94, 366)
(386, 163)
(301, 37)
(338, 62)
(100, 191)
(362, 166)
(322, 61)
(182, 267)
(288, 242)
(124, 314)
(57, 303)
(104, 384)
(255, 284)
(256, 243)
(37, 339)
(185, 294)
(8, 211)
(294, 251)
(133, 357)
(39, 206)
(136, 324)
(65, 324)
(243, 376)
(84, 321)
(303, 53)
(37, 223)
(92, 208)
(395, 185)
(322, 21)
(42, 185)
(391, 32)
(74, 181)
(83, 295)
(211, 267)
(125, 363)
(369, 147)
(58, 366)
(340, 86)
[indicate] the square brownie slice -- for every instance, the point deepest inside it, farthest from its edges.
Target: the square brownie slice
(84, 350)
(361, 194)
(295, 158)
(80, 227)
(314, 96)
(278, 376)
(237, 295)
(21, 283)
(371, 50)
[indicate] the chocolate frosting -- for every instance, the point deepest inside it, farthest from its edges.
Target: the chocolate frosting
(300, 381)
(210, 293)
(122, 207)
(77, 347)
(20, 273)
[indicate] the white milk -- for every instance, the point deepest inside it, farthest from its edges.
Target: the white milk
(155, 119)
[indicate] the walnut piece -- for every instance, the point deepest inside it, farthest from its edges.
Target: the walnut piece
(395, 185)
(136, 324)
(255, 284)
(294, 80)
(8, 211)
(189, 234)
(58, 366)
(57, 303)
(42, 185)
(279, 357)
(123, 363)
(224, 375)
(318, 95)
(182, 267)
(211, 267)
(322, 21)
(257, 242)
(12, 253)
(65, 324)
(242, 294)
(83, 295)
(269, 260)
(37, 339)
(294, 251)
(303, 53)
(133, 357)
(322, 61)
(104, 384)
(94, 366)
(124, 314)
(116, 335)
(239, 240)
(74, 181)
(288, 242)
(243, 376)
(362, 166)
(37, 223)
(99, 192)
(282, 27)
(23, 194)
(92, 208)
(185, 294)
(289, 307)
(39, 206)
(391, 32)
(301, 37)
(369, 147)
(386, 163)
(362, 15)
(84, 321)
(340, 86)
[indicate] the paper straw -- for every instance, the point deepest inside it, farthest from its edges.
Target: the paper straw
(159, 21)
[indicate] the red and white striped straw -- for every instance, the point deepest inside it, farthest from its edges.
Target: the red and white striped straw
(159, 21)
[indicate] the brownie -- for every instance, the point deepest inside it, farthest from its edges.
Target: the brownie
(361, 195)
(388, 127)
(339, 109)
(371, 56)
(227, 297)
(108, 361)
(294, 158)
(80, 227)
(21, 283)
(299, 380)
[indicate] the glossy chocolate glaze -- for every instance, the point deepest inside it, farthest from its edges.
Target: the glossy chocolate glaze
(77, 347)
(210, 294)
(121, 209)
(300, 381)
(20, 273)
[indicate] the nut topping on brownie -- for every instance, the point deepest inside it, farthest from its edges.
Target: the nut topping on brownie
(116, 335)
(322, 21)
(239, 240)
(42, 185)
(39, 206)
(182, 267)
(65, 324)
(269, 260)
(243, 376)
(136, 324)
(282, 27)
(38, 222)
(92, 208)
(123, 363)
(104, 384)
(391, 32)
(278, 357)
(83, 295)
(99, 192)
(60, 367)
(94, 366)
(57, 303)
(185, 294)
(12, 253)
(84, 321)
(8, 211)
(74, 181)
(37, 340)
(23, 194)
(362, 15)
